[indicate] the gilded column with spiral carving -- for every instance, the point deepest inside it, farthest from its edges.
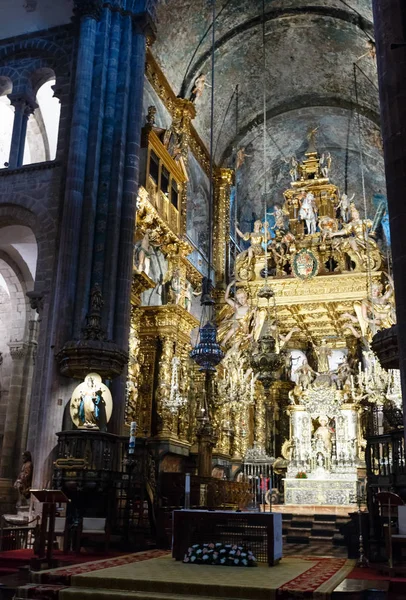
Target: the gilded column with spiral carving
(165, 419)
(222, 184)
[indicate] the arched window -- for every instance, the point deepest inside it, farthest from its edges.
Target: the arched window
(43, 125)
(6, 120)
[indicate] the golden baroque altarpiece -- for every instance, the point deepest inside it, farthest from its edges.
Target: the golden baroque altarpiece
(330, 294)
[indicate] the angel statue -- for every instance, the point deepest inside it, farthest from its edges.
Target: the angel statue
(259, 236)
(198, 89)
(344, 206)
(279, 215)
(238, 323)
(240, 158)
(325, 164)
(374, 313)
(294, 167)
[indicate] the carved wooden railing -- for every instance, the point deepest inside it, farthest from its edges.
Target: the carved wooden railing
(219, 493)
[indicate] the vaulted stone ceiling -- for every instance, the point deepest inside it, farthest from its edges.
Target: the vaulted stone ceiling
(311, 48)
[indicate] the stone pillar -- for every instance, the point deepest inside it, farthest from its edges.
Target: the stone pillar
(222, 183)
(19, 353)
(23, 108)
(119, 301)
(390, 35)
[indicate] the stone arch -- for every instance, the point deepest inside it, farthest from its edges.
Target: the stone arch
(34, 47)
(43, 123)
(18, 335)
(42, 227)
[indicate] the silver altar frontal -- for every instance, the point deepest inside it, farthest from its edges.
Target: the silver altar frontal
(322, 492)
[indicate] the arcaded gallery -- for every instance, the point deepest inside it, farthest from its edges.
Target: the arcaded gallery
(202, 299)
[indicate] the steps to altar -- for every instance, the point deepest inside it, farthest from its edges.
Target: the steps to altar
(304, 525)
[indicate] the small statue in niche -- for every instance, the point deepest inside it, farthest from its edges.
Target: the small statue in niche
(175, 286)
(325, 164)
(198, 89)
(189, 293)
(142, 259)
(324, 432)
(91, 404)
(24, 480)
(259, 236)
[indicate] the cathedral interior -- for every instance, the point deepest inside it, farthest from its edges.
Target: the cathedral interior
(201, 269)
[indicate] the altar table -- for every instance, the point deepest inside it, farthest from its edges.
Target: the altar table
(261, 532)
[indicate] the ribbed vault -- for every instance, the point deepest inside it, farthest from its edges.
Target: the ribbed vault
(310, 80)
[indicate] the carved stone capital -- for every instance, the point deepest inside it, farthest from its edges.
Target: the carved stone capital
(23, 103)
(18, 350)
(88, 8)
(36, 300)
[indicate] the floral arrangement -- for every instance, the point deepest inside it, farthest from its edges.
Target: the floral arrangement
(220, 554)
(301, 475)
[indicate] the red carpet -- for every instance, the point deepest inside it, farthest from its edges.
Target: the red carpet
(14, 559)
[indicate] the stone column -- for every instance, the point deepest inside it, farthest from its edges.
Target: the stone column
(23, 108)
(19, 353)
(390, 34)
(119, 303)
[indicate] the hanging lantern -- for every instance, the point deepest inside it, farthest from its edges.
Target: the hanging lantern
(207, 353)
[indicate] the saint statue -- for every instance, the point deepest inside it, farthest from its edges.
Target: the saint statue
(308, 212)
(304, 375)
(24, 480)
(323, 432)
(259, 236)
(143, 254)
(323, 351)
(91, 404)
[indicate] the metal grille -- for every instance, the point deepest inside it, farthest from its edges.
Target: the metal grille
(231, 531)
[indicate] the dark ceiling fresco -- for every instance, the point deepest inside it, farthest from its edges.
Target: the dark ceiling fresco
(314, 77)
